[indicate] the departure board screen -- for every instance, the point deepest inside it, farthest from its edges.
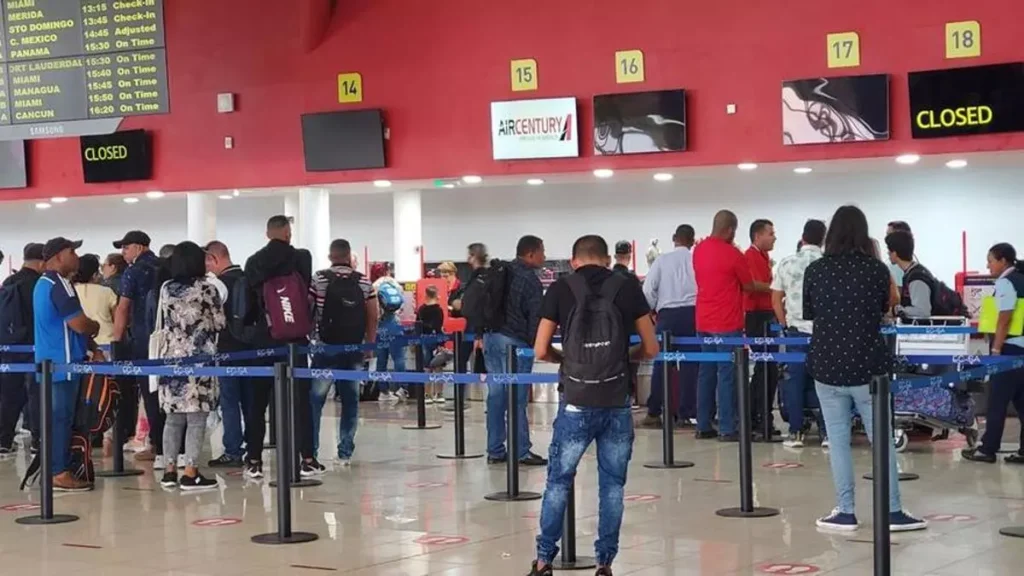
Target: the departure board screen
(66, 60)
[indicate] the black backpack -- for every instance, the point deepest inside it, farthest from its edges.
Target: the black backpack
(239, 324)
(483, 302)
(594, 346)
(15, 322)
(343, 318)
(945, 300)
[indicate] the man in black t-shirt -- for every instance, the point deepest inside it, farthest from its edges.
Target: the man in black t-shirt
(600, 406)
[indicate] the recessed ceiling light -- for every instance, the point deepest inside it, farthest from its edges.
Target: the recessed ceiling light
(472, 179)
(58, 199)
(225, 196)
(802, 170)
(449, 185)
(907, 159)
(236, 193)
(604, 173)
(154, 195)
(747, 166)
(956, 164)
(535, 181)
(382, 183)
(663, 177)
(42, 205)
(130, 200)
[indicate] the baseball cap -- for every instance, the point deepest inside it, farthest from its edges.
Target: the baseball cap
(134, 237)
(33, 251)
(57, 245)
(622, 247)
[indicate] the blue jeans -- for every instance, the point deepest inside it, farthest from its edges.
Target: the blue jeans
(798, 390)
(837, 403)
(348, 390)
(387, 331)
(575, 428)
(495, 354)
(681, 322)
(717, 381)
(232, 404)
(65, 398)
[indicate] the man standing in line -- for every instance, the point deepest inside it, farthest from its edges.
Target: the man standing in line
(671, 290)
(788, 303)
(233, 401)
(897, 226)
(722, 275)
(64, 335)
(522, 314)
(17, 328)
(344, 312)
(131, 327)
(918, 286)
(759, 317)
(624, 258)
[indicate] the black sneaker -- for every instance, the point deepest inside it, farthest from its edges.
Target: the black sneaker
(706, 435)
(547, 571)
(603, 571)
(170, 480)
(312, 468)
(226, 461)
(254, 470)
(497, 459)
(729, 438)
(976, 455)
(197, 482)
(532, 459)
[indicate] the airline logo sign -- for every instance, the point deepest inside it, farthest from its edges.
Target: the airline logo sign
(545, 128)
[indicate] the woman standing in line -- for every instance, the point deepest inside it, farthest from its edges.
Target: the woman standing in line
(189, 316)
(847, 293)
(98, 303)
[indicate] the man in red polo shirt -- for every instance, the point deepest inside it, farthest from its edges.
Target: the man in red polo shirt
(759, 317)
(722, 275)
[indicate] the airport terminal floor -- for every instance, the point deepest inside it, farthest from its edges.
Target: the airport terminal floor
(399, 510)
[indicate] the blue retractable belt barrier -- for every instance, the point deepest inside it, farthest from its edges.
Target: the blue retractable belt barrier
(424, 378)
(17, 368)
(18, 348)
(128, 370)
(737, 341)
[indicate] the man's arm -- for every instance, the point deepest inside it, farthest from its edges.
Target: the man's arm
(372, 319)
(122, 316)
(778, 305)
(83, 325)
(808, 299)
(542, 348)
(651, 284)
(920, 300)
(533, 295)
(648, 348)
(741, 268)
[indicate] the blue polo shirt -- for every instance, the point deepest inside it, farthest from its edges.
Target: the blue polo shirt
(136, 284)
(54, 303)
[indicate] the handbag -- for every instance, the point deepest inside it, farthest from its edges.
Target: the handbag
(158, 339)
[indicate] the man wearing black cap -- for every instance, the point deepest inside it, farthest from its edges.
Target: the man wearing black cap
(63, 335)
(132, 331)
(16, 328)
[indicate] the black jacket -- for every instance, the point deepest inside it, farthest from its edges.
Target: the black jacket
(227, 342)
(277, 258)
(25, 279)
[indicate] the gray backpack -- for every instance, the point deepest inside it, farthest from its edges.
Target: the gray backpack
(594, 343)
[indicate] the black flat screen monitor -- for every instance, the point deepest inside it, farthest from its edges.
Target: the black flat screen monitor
(347, 140)
(966, 101)
(835, 110)
(640, 122)
(12, 164)
(117, 157)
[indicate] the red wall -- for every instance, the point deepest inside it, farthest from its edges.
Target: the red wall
(435, 66)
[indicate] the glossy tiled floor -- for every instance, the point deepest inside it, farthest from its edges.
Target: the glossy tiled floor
(401, 511)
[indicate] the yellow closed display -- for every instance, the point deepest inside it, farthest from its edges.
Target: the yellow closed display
(988, 317)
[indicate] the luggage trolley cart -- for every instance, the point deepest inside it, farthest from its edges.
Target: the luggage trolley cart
(935, 408)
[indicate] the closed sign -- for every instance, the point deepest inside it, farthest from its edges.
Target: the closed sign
(117, 157)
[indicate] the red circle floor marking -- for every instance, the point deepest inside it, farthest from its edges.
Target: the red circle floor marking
(439, 540)
(427, 484)
(788, 569)
(783, 465)
(235, 473)
(950, 518)
(19, 507)
(217, 522)
(642, 498)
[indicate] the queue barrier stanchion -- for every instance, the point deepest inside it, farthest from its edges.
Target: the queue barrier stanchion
(460, 403)
(119, 471)
(741, 357)
(271, 423)
(283, 415)
(46, 515)
(667, 416)
(512, 492)
(295, 463)
(767, 435)
(420, 389)
(569, 560)
(890, 341)
(881, 445)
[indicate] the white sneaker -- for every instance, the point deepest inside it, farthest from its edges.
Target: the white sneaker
(401, 395)
(345, 462)
(181, 461)
(794, 441)
(824, 443)
(386, 397)
(428, 400)
(159, 463)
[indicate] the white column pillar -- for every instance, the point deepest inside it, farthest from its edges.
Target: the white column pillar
(202, 217)
(312, 227)
(408, 217)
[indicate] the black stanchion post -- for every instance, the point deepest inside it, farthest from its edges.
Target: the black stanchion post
(420, 390)
(747, 509)
(460, 404)
(668, 440)
(283, 415)
(119, 471)
(890, 341)
(46, 515)
(767, 435)
(272, 423)
(882, 441)
(295, 461)
(512, 493)
(569, 559)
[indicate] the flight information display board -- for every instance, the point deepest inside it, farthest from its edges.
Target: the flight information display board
(66, 60)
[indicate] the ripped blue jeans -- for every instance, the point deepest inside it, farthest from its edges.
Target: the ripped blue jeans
(575, 428)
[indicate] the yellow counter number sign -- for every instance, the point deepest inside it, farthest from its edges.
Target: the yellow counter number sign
(963, 39)
(629, 66)
(350, 87)
(843, 50)
(524, 75)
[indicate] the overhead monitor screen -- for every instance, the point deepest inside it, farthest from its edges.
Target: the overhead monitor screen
(117, 157)
(967, 101)
(835, 110)
(347, 140)
(12, 164)
(640, 122)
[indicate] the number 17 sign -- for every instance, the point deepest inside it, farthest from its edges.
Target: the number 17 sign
(843, 50)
